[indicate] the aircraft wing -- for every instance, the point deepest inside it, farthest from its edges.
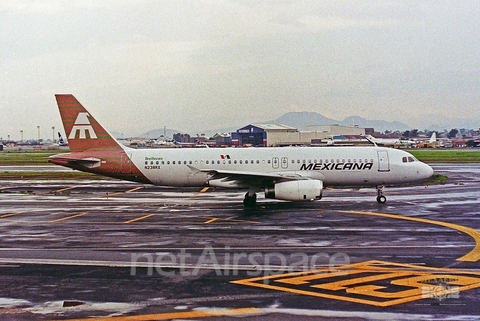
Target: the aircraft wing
(229, 178)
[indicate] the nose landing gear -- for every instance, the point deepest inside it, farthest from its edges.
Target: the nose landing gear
(381, 199)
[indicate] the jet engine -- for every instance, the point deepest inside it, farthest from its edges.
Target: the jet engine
(296, 190)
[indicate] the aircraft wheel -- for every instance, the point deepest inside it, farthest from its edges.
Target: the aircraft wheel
(250, 200)
(381, 199)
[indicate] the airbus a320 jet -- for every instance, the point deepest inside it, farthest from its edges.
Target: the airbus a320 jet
(285, 173)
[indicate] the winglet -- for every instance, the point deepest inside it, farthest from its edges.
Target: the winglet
(83, 131)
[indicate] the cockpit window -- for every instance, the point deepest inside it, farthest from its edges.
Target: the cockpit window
(408, 159)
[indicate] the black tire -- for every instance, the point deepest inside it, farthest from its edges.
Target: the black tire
(381, 199)
(250, 201)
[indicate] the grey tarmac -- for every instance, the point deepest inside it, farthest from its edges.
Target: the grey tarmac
(83, 249)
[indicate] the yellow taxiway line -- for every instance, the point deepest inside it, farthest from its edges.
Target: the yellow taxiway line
(138, 219)
(10, 214)
(211, 221)
(472, 256)
(181, 315)
(125, 192)
(203, 190)
(68, 217)
(65, 189)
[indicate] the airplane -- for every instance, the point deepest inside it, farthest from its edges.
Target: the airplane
(61, 141)
(431, 143)
(394, 142)
(283, 173)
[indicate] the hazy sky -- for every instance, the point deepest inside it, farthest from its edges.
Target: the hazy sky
(193, 65)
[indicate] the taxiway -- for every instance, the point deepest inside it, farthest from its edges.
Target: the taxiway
(82, 249)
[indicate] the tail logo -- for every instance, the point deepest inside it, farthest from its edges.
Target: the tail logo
(82, 125)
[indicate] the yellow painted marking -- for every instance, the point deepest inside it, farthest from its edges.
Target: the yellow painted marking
(134, 189)
(203, 190)
(64, 189)
(180, 315)
(125, 192)
(68, 217)
(211, 221)
(240, 221)
(10, 214)
(138, 218)
(228, 219)
(472, 256)
(376, 283)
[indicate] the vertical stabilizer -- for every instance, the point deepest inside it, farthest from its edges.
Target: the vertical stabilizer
(83, 131)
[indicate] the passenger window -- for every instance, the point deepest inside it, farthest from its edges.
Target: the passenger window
(404, 159)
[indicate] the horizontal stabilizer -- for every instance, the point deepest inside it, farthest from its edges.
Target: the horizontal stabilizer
(89, 162)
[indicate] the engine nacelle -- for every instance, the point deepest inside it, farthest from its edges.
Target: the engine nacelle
(297, 190)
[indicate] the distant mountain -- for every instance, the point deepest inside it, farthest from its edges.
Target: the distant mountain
(378, 125)
(301, 120)
(437, 122)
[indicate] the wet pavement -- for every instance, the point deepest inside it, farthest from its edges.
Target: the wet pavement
(83, 249)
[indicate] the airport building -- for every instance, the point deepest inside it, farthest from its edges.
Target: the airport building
(282, 135)
(328, 131)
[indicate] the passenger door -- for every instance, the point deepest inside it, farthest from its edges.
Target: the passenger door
(383, 162)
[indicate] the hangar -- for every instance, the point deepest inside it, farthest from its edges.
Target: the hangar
(260, 135)
(263, 134)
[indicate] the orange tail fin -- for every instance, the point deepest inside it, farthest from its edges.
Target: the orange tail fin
(83, 131)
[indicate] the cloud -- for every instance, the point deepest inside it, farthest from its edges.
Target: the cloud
(197, 64)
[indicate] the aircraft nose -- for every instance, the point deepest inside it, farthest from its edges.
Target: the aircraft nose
(427, 170)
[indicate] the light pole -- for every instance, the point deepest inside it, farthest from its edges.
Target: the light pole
(21, 133)
(38, 129)
(53, 134)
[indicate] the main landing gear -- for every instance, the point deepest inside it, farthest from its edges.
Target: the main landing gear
(250, 200)
(380, 197)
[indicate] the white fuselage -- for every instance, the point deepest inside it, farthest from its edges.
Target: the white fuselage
(332, 165)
